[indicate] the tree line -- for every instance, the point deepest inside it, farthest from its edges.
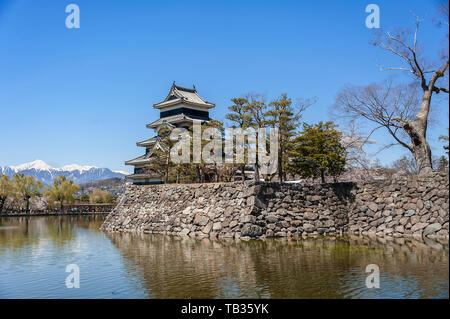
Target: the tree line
(17, 192)
(315, 151)
(307, 151)
(400, 108)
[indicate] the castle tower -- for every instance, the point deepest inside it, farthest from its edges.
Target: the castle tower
(179, 109)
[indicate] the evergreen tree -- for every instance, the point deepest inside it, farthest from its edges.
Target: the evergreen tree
(256, 109)
(284, 116)
(202, 169)
(317, 152)
(252, 112)
(240, 117)
(161, 162)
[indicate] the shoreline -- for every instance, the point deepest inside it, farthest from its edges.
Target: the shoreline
(375, 237)
(416, 207)
(52, 214)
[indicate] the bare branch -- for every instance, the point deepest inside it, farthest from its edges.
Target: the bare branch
(389, 106)
(401, 69)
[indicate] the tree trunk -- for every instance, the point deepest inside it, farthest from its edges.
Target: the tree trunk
(280, 168)
(256, 175)
(216, 174)
(256, 171)
(199, 177)
(322, 176)
(2, 203)
(417, 131)
(420, 149)
(166, 177)
(28, 204)
(280, 159)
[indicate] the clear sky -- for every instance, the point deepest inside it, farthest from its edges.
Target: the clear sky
(84, 95)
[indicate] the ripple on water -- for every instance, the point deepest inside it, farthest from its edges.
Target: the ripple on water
(34, 253)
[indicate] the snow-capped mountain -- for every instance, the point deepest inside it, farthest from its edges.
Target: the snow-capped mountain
(77, 173)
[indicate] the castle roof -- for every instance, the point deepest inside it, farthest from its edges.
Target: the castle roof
(147, 142)
(144, 159)
(175, 119)
(178, 95)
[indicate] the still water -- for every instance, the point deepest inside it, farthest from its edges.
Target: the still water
(34, 253)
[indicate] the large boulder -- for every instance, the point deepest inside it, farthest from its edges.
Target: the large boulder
(251, 230)
(431, 229)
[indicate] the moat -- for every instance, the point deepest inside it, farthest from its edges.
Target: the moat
(34, 253)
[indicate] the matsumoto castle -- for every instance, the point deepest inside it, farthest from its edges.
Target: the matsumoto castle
(180, 108)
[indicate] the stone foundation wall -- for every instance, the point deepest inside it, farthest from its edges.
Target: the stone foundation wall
(418, 206)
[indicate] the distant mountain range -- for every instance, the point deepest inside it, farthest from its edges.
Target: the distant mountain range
(115, 186)
(77, 173)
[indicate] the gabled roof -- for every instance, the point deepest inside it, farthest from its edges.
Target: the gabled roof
(179, 118)
(147, 158)
(180, 94)
(144, 159)
(147, 142)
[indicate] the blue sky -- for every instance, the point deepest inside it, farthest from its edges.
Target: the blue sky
(84, 95)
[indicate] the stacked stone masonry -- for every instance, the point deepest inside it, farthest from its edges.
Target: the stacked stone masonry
(416, 206)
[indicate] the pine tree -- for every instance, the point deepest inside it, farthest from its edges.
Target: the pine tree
(256, 108)
(317, 152)
(240, 117)
(202, 168)
(284, 116)
(161, 162)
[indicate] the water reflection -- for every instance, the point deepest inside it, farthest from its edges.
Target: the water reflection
(34, 252)
(18, 232)
(175, 267)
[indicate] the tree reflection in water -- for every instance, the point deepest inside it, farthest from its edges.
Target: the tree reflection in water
(34, 252)
(333, 267)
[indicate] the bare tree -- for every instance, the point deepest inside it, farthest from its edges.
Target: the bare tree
(354, 141)
(395, 107)
(406, 165)
(383, 104)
